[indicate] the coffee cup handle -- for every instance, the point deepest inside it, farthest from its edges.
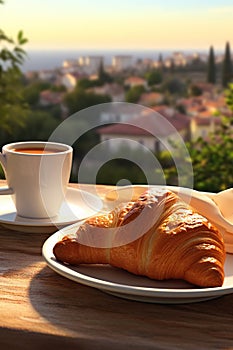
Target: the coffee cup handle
(5, 189)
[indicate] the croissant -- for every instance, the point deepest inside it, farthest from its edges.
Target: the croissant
(157, 236)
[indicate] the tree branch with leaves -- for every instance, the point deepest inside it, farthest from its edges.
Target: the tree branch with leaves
(13, 108)
(212, 158)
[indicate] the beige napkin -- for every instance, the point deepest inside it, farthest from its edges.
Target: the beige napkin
(216, 207)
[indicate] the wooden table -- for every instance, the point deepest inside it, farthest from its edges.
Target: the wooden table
(40, 309)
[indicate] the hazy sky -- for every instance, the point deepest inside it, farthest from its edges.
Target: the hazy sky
(111, 24)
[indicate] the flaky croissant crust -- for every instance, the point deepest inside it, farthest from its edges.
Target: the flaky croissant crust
(165, 240)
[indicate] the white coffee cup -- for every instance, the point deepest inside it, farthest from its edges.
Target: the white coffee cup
(37, 175)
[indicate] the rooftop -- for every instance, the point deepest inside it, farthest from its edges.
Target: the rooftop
(150, 123)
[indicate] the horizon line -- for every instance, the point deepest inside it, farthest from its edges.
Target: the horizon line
(119, 49)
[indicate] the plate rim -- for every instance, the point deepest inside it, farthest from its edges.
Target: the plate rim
(121, 289)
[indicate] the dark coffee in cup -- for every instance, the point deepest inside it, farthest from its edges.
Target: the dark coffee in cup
(36, 150)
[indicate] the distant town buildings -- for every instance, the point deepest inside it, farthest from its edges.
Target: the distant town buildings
(50, 98)
(192, 117)
(70, 66)
(149, 128)
(92, 63)
(114, 90)
(133, 81)
(68, 80)
(122, 62)
(151, 98)
(83, 65)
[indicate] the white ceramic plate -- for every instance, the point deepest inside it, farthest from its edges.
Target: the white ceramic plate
(78, 205)
(126, 285)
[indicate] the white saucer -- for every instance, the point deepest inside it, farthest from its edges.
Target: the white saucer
(78, 205)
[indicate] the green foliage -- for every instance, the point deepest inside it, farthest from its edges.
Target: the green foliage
(195, 90)
(227, 67)
(127, 164)
(58, 88)
(211, 69)
(176, 167)
(32, 91)
(103, 76)
(175, 87)
(154, 77)
(181, 108)
(86, 83)
(197, 65)
(118, 169)
(172, 66)
(160, 60)
(84, 144)
(39, 126)
(229, 98)
(80, 99)
(212, 159)
(134, 93)
(213, 170)
(13, 109)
